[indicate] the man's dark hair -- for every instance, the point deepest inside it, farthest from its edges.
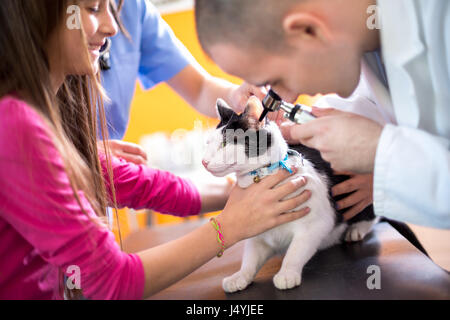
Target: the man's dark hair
(245, 23)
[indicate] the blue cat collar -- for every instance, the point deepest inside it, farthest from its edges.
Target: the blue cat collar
(269, 169)
(283, 165)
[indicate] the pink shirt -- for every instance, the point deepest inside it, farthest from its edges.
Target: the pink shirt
(43, 229)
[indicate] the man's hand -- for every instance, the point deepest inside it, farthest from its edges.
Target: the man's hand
(362, 187)
(280, 120)
(286, 128)
(239, 96)
(126, 150)
(346, 140)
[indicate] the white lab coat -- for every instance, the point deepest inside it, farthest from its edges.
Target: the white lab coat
(371, 99)
(412, 165)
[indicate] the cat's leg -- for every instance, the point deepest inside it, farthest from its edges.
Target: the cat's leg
(256, 253)
(334, 237)
(357, 231)
(300, 251)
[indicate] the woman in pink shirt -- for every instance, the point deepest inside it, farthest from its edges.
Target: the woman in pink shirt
(55, 185)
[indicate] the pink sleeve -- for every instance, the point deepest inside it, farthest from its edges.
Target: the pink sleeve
(37, 201)
(140, 187)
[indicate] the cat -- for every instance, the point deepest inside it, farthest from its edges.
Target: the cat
(252, 149)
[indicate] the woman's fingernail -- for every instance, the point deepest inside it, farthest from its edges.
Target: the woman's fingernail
(300, 181)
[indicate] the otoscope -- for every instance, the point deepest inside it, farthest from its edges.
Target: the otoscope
(298, 113)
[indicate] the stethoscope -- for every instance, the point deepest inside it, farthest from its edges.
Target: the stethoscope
(105, 56)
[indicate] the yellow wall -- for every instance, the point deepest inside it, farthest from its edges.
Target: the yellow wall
(160, 109)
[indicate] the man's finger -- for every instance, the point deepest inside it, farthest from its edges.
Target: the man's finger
(303, 132)
(285, 129)
(325, 112)
(344, 187)
(350, 200)
(343, 173)
(355, 210)
(259, 92)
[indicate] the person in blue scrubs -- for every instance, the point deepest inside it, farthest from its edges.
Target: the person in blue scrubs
(152, 54)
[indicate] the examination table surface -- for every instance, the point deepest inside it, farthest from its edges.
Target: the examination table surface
(340, 272)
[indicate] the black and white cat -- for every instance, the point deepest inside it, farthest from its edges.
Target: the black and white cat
(252, 150)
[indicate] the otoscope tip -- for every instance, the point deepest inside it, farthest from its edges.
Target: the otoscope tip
(264, 114)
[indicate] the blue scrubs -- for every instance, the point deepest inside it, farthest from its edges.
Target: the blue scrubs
(152, 55)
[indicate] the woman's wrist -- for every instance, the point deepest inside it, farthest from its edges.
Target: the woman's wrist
(228, 230)
(214, 193)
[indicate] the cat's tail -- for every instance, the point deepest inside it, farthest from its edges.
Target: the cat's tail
(406, 232)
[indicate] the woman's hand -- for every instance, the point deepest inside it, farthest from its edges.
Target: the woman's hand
(247, 213)
(126, 150)
(214, 191)
(362, 187)
(260, 207)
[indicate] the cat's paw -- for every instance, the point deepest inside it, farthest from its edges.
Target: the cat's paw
(236, 282)
(357, 231)
(287, 279)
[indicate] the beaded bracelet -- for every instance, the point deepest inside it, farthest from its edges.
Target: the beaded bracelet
(220, 238)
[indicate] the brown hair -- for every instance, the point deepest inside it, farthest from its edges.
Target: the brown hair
(71, 115)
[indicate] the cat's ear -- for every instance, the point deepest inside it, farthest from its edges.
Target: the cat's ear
(253, 112)
(224, 111)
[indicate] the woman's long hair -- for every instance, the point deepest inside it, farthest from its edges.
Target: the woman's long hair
(72, 115)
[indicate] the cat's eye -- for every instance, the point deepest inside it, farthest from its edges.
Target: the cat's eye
(223, 144)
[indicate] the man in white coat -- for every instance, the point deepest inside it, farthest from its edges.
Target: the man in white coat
(319, 48)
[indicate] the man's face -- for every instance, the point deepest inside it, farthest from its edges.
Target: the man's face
(292, 72)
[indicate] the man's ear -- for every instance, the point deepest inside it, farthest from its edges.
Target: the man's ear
(305, 26)
(223, 111)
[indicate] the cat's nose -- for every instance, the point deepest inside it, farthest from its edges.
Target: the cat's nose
(205, 163)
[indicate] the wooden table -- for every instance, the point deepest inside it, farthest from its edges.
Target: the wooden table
(340, 272)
